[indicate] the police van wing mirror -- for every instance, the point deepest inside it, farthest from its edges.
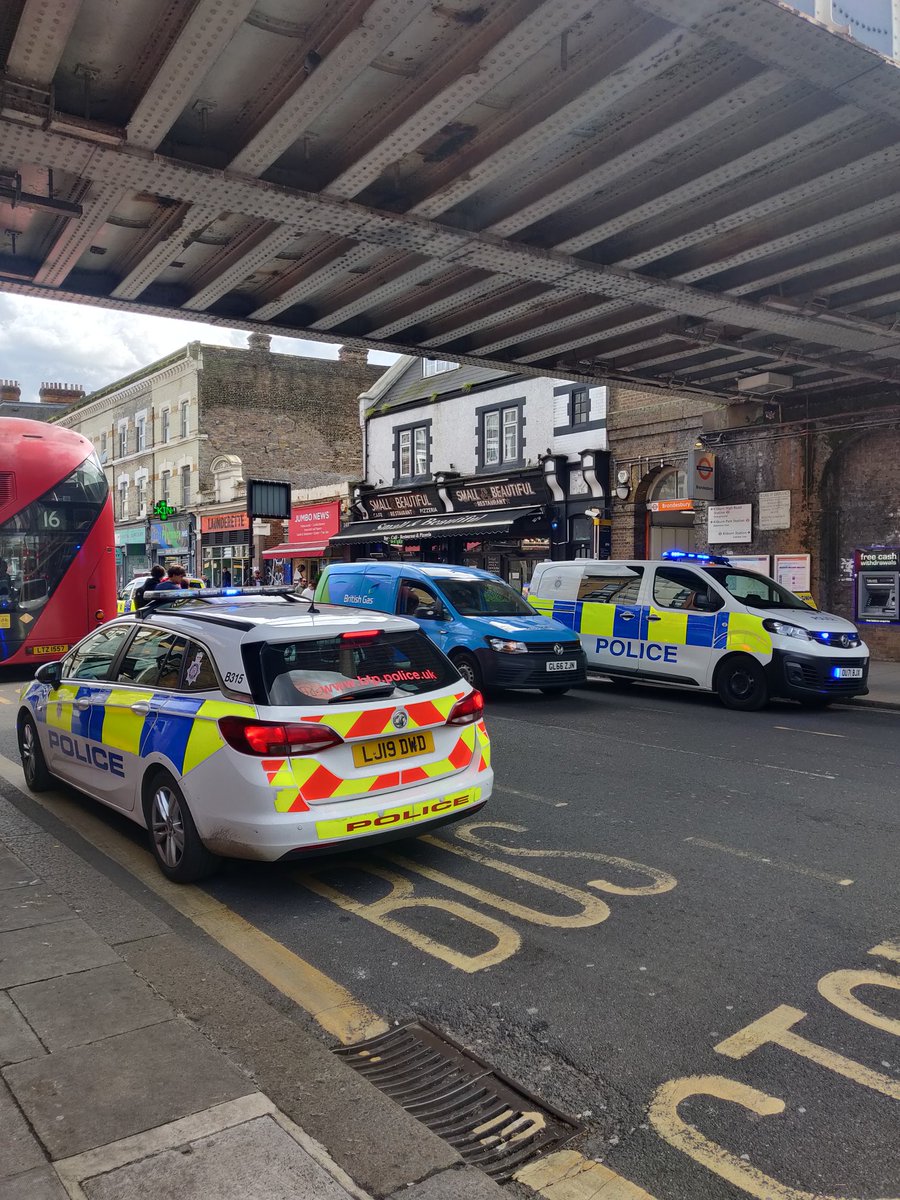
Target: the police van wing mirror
(50, 672)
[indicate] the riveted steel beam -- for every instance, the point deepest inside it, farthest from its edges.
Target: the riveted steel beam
(40, 39)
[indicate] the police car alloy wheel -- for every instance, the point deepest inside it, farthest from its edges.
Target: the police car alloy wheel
(34, 766)
(177, 847)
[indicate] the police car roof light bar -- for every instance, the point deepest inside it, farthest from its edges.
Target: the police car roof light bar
(183, 596)
(692, 556)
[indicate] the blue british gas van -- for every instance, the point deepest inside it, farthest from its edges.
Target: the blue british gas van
(485, 627)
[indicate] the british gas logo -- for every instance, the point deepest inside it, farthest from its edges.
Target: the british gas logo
(349, 599)
(87, 753)
(652, 651)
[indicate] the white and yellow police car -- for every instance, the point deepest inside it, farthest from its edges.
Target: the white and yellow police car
(697, 621)
(246, 723)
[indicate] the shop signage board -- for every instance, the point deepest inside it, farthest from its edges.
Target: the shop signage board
(774, 510)
(877, 590)
(414, 502)
(730, 523)
(510, 491)
(314, 524)
(172, 536)
(671, 506)
(702, 475)
(223, 522)
(136, 536)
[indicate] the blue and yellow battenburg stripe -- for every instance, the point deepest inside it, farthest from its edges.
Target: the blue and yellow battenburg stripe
(632, 622)
(182, 728)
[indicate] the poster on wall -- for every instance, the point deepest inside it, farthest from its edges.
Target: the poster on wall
(774, 510)
(793, 571)
(751, 562)
(730, 523)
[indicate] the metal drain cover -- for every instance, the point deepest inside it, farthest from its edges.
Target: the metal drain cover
(493, 1123)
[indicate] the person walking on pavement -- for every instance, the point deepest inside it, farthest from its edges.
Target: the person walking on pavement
(226, 578)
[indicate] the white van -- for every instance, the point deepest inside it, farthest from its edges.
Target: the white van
(696, 621)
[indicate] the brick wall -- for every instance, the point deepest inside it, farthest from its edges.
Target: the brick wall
(286, 417)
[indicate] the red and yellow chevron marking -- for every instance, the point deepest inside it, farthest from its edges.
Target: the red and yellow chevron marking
(484, 745)
(370, 722)
(304, 781)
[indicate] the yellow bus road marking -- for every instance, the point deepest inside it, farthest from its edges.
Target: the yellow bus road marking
(335, 1009)
(568, 1175)
(794, 868)
(811, 732)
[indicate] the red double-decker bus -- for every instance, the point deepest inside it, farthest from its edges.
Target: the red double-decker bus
(57, 541)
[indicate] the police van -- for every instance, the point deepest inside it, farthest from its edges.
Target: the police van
(696, 621)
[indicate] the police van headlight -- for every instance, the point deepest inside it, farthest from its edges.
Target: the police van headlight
(785, 629)
(503, 646)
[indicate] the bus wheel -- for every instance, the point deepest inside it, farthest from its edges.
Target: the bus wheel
(174, 840)
(741, 684)
(34, 765)
(467, 665)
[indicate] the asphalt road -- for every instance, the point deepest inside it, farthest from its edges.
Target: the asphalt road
(653, 876)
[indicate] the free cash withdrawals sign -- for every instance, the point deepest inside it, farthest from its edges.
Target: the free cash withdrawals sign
(731, 523)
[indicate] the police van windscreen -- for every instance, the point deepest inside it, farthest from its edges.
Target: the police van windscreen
(484, 598)
(369, 664)
(756, 591)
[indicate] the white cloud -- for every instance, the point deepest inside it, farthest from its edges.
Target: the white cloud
(54, 341)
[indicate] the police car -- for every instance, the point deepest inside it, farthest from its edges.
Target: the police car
(696, 620)
(248, 723)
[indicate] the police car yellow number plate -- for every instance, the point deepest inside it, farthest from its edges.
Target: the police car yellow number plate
(385, 750)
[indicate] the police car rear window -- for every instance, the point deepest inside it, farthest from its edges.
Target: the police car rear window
(350, 667)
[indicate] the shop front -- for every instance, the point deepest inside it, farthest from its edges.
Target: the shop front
(226, 549)
(500, 524)
(131, 552)
(310, 530)
(172, 540)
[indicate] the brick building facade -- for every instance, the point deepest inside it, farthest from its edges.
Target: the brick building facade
(840, 468)
(188, 430)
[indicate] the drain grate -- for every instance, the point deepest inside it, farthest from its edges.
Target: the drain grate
(493, 1123)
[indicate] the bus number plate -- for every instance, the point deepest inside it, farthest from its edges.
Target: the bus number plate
(385, 750)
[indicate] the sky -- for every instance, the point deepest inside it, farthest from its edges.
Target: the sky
(56, 342)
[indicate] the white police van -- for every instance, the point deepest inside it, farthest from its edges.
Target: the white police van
(696, 621)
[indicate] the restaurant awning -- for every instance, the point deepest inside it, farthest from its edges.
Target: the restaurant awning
(296, 550)
(492, 520)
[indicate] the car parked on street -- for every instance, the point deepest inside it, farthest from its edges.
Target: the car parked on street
(485, 627)
(696, 621)
(254, 726)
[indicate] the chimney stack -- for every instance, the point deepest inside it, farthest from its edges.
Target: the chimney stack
(60, 393)
(10, 392)
(351, 354)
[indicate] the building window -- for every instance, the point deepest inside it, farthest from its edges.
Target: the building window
(123, 499)
(140, 434)
(185, 487)
(142, 495)
(500, 435)
(437, 366)
(670, 485)
(184, 420)
(103, 452)
(580, 406)
(123, 440)
(165, 424)
(165, 481)
(412, 451)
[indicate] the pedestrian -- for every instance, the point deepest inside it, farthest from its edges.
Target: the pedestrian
(157, 575)
(226, 578)
(174, 581)
(257, 578)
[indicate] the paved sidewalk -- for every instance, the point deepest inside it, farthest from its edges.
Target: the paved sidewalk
(108, 1093)
(884, 685)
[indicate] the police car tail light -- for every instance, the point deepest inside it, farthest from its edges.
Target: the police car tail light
(468, 710)
(271, 738)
